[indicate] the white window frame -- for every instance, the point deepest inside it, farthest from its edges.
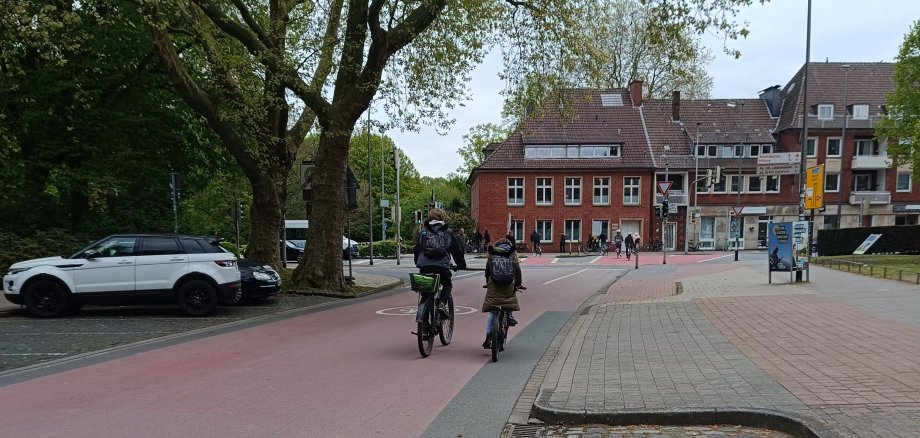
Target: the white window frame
(862, 113)
(572, 230)
(750, 179)
(827, 147)
(604, 188)
(731, 184)
(766, 148)
(517, 229)
(897, 182)
(545, 190)
(730, 148)
(814, 149)
(575, 187)
(725, 187)
(517, 188)
(828, 108)
(870, 146)
(753, 150)
(766, 184)
(540, 225)
(628, 187)
(828, 176)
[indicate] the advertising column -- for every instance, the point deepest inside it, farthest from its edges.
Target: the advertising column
(779, 242)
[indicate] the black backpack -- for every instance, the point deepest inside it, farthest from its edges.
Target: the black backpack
(435, 244)
(502, 269)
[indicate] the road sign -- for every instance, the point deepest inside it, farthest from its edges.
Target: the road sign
(663, 187)
(814, 187)
(778, 169)
(737, 210)
(867, 243)
(779, 158)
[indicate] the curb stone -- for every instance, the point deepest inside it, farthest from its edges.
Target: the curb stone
(378, 289)
(760, 418)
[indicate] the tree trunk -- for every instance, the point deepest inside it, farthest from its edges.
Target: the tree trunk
(317, 269)
(264, 244)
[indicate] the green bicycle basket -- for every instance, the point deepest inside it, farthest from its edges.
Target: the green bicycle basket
(424, 283)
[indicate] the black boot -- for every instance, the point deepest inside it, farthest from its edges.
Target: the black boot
(488, 343)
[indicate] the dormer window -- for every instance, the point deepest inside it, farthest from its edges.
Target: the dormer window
(860, 112)
(825, 112)
(572, 151)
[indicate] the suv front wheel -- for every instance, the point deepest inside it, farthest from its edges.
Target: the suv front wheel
(197, 298)
(46, 299)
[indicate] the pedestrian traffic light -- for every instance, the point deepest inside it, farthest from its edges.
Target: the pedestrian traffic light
(664, 209)
(708, 178)
(718, 174)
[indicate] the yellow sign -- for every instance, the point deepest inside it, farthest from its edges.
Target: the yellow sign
(814, 187)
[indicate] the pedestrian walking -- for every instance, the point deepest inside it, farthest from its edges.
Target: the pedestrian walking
(477, 240)
(486, 238)
(535, 241)
(562, 242)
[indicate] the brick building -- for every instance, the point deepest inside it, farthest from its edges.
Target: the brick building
(588, 163)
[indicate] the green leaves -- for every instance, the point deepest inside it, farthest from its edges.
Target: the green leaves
(900, 126)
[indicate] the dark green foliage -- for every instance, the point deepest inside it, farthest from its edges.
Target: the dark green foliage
(895, 239)
(47, 243)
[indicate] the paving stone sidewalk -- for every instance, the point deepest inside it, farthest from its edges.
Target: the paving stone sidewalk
(834, 355)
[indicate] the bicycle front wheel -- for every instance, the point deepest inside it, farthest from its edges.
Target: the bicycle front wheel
(447, 324)
(496, 334)
(423, 333)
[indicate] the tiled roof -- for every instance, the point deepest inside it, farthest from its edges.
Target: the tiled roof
(866, 83)
(583, 119)
(718, 124)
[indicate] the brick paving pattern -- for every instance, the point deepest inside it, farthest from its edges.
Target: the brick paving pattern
(842, 350)
(605, 431)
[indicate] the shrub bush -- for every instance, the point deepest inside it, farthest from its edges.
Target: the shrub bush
(895, 239)
(45, 243)
(230, 246)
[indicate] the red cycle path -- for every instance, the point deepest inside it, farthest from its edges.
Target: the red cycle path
(340, 372)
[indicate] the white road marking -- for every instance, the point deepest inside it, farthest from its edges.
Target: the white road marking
(33, 354)
(594, 260)
(411, 310)
(466, 275)
(556, 259)
(714, 258)
(360, 262)
(565, 276)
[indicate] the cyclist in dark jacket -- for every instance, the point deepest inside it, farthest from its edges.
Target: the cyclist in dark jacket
(429, 264)
(535, 240)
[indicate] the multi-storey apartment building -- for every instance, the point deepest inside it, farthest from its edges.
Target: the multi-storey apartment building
(589, 163)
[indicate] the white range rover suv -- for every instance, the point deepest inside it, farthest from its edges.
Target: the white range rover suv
(193, 272)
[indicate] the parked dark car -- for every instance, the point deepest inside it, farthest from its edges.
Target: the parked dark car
(293, 250)
(259, 281)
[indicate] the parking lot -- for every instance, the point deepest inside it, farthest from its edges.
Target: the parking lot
(26, 341)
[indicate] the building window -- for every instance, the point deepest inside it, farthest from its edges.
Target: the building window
(736, 183)
(755, 150)
(544, 191)
(573, 191)
(602, 191)
(631, 190)
(719, 186)
(773, 184)
(517, 230)
(825, 112)
(833, 147)
(810, 149)
(830, 222)
(755, 184)
(766, 148)
(728, 151)
(832, 182)
(903, 182)
(860, 112)
(905, 219)
(865, 147)
(861, 182)
(710, 150)
(545, 230)
(573, 230)
(515, 191)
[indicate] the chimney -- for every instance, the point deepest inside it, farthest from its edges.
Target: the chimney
(772, 98)
(675, 106)
(635, 92)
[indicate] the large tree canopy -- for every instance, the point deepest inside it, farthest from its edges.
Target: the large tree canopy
(902, 122)
(262, 73)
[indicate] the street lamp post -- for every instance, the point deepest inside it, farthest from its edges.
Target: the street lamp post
(664, 219)
(843, 139)
(696, 189)
(740, 153)
(370, 189)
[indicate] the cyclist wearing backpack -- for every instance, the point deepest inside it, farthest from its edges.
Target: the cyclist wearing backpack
(503, 277)
(434, 247)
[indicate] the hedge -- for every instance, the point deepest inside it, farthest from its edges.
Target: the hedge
(895, 240)
(46, 243)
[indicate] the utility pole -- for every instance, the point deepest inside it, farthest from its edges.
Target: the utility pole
(398, 215)
(175, 186)
(664, 211)
(740, 152)
(370, 188)
(696, 188)
(843, 139)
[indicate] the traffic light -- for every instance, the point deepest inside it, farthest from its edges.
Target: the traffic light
(664, 209)
(718, 175)
(708, 178)
(241, 210)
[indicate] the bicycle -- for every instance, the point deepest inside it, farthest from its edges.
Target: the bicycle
(537, 249)
(428, 318)
(498, 333)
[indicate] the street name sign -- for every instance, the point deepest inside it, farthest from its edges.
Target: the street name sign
(778, 169)
(779, 158)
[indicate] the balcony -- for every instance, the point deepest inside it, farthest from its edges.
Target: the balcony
(874, 198)
(870, 162)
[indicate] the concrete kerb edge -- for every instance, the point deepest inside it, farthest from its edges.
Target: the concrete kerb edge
(378, 289)
(540, 369)
(761, 418)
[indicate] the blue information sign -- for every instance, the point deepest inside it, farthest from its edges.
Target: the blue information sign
(780, 242)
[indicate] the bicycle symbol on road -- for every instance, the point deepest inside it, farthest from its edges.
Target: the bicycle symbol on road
(410, 310)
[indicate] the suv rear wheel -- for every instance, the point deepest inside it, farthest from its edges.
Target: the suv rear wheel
(46, 299)
(197, 298)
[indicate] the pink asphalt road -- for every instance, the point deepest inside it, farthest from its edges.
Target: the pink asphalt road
(345, 371)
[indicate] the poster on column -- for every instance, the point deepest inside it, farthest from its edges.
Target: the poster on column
(779, 240)
(800, 243)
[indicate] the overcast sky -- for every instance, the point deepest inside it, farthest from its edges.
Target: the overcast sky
(842, 30)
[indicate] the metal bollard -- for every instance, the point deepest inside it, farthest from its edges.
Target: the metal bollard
(871, 271)
(900, 271)
(884, 272)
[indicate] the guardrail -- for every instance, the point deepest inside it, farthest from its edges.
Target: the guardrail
(871, 270)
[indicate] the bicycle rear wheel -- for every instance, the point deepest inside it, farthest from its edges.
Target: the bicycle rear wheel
(496, 333)
(447, 324)
(424, 332)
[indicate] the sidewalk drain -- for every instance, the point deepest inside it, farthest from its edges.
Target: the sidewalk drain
(526, 431)
(586, 310)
